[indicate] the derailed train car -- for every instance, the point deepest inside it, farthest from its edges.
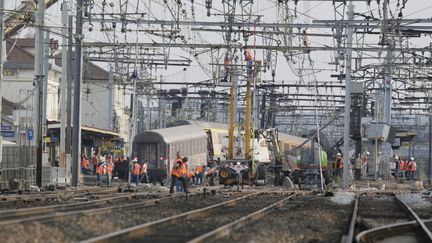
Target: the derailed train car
(159, 147)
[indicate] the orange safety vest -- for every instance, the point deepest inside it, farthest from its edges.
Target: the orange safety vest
(190, 174)
(109, 168)
(136, 169)
(402, 165)
(176, 170)
(199, 169)
(248, 55)
(95, 160)
(339, 164)
(99, 169)
(84, 163)
(413, 166)
(183, 168)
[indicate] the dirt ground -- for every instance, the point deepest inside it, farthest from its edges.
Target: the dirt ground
(305, 219)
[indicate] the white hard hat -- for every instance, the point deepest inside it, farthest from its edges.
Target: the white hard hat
(367, 153)
(412, 158)
(338, 154)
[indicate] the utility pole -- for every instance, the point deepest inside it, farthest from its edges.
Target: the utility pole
(45, 87)
(63, 89)
(39, 52)
(69, 90)
(232, 119)
(2, 59)
(76, 137)
(110, 98)
(387, 86)
(429, 167)
(347, 95)
(148, 111)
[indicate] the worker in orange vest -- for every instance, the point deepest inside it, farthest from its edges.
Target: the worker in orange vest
(339, 165)
(136, 169)
(179, 172)
(99, 172)
(199, 171)
(95, 161)
(84, 164)
(109, 167)
(402, 167)
(248, 55)
(412, 167)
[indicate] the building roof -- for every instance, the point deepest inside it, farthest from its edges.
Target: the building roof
(91, 71)
(19, 55)
(8, 107)
(56, 125)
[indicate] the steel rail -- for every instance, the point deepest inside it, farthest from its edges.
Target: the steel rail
(40, 213)
(229, 228)
(396, 229)
(387, 231)
(44, 197)
(427, 233)
(350, 236)
(150, 227)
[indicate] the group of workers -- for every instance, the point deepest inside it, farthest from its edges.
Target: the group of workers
(181, 175)
(104, 165)
(139, 172)
(404, 168)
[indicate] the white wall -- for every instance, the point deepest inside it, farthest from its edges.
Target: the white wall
(94, 99)
(94, 105)
(23, 82)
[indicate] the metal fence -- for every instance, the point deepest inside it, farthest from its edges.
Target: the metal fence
(18, 167)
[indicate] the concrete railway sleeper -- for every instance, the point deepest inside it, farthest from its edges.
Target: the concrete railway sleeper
(194, 223)
(380, 218)
(80, 225)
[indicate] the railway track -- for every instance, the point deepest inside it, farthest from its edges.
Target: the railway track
(26, 213)
(50, 198)
(202, 224)
(386, 217)
(84, 224)
(306, 218)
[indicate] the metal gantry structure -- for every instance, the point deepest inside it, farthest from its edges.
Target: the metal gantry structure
(144, 42)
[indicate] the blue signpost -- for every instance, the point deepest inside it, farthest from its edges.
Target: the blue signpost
(30, 134)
